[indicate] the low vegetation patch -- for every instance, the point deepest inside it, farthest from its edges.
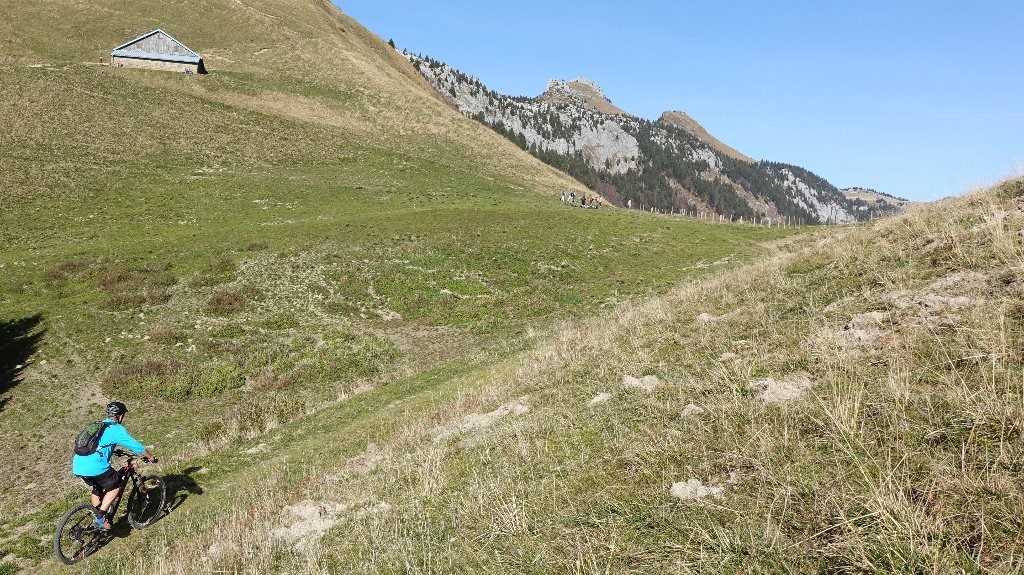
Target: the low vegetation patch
(226, 301)
(170, 379)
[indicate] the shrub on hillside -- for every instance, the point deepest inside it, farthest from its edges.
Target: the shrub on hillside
(170, 379)
(227, 301)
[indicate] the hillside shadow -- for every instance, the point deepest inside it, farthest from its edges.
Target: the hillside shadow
(19, 341)
(180, 486)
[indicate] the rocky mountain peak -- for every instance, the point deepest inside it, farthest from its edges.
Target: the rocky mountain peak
(580, 91)
(584, 87)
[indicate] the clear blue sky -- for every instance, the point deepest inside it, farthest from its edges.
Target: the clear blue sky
(917, 99)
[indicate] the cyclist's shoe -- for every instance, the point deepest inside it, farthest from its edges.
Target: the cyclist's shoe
(102, 522)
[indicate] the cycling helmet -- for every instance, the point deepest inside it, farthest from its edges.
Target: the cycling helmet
(115, 408)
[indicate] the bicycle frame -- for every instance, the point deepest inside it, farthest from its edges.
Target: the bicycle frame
(128, 472)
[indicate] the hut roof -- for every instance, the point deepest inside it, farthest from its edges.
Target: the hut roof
(125, 51)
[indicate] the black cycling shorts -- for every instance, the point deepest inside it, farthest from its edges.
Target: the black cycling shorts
(109, 480)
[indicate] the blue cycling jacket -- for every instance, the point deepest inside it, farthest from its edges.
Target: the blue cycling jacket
(99, 462)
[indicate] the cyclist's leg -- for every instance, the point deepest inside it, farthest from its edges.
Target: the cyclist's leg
(109, 497)
(111, 486)
(97, 489)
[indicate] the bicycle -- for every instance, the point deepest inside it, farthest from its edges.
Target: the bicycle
(77, 534)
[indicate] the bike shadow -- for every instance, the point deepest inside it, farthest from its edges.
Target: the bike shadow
(119, 529)
(180, 486)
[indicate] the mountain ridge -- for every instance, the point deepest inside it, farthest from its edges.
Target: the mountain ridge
(671, 165)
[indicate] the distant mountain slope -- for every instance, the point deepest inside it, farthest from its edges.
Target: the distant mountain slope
(673, 164)
(684, 121)
(865, 199)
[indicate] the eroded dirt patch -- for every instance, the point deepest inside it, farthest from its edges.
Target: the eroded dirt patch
(366, 461)
(307, 521)
(692, 410)
(481, 421)
(694, 489)
(788, 388)
(867, 329)
(646, 383)
(937, 303)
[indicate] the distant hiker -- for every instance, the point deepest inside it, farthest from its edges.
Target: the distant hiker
(94, 468)
(562, 195)
(572, 197)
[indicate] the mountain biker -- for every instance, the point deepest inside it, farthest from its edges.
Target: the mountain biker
(106, 482)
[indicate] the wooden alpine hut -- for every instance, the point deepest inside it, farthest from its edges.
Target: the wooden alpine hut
(157, 50)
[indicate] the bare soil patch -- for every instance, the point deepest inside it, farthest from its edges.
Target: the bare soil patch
(307, 521)
(481, 421)
(647, 383)
(867, 329)
(366, 461)
(692, 410)
(788, 388)
(694, 489)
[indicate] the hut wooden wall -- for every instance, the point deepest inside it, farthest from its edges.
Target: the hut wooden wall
(159, 43)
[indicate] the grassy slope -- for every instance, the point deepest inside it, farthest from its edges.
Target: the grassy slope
(235, 251)
(903, 457)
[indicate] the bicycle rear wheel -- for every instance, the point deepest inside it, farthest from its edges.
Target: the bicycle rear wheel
(77, 535)
(146, 501)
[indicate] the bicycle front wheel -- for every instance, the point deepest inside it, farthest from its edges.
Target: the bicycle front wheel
(146, 501)
(77, 535)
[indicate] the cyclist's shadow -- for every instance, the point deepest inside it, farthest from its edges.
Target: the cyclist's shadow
(179, 487)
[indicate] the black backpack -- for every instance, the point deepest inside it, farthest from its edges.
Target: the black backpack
(88, 441)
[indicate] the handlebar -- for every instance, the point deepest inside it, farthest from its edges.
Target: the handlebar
(130, 455)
